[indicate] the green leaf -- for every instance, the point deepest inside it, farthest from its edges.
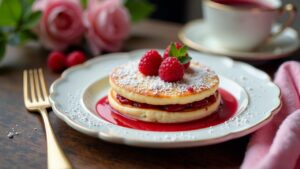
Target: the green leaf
(183, 51)
(26, 8)
(184, 60)
(2, 45)
(21, 37)
(139, 9)
(10, 14)
(27, 35)
(173, 50)
(32, 20)
(27, 4)
(84, 3)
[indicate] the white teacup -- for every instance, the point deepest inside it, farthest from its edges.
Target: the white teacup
(244, 28)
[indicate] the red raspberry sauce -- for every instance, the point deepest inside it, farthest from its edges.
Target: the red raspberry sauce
(170, 108)
(227, 109)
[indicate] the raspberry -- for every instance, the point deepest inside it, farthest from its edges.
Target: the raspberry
(75, 58)
(150, 62)
(178, 46)
(56, 61)
(171, 70)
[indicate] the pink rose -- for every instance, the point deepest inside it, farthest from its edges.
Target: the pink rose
(61, 24)
(108, 25)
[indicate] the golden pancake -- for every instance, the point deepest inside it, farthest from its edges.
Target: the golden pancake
(198, 83)
(161, 116)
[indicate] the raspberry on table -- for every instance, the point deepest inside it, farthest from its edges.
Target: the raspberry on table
(56, 61)
(150, 62)
(75, 58)
(171, 70)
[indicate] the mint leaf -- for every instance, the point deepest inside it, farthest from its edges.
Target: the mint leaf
(139, 9)
(183, 51)
(32, 20)
(10, 12)
(180, 54)
(184, 60)
(2, 45)
(173, 50)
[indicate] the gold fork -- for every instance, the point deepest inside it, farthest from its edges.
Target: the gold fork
(36, 99)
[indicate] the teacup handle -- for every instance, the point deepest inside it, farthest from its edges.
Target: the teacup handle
(291, 10)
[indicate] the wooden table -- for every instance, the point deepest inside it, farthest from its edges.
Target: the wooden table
(28, 149)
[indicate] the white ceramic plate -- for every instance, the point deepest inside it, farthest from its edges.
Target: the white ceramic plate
(75, 94)
(196, 35)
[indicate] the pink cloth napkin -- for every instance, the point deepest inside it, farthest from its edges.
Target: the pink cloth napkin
(277, 145)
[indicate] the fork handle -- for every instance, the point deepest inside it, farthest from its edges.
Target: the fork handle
(56, 157)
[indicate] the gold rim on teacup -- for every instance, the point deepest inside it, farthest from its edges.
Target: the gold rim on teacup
(214, 4)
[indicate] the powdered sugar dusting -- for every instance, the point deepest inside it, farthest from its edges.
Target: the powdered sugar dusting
(198, 77)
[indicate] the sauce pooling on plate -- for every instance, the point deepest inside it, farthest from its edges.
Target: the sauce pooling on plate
(226, 110)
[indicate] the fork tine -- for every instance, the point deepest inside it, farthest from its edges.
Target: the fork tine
(43, 84)
(25, 86)
(37, 85)
(32, 86)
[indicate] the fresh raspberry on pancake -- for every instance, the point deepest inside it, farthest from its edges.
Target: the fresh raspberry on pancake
(171, 70)
(150, 63)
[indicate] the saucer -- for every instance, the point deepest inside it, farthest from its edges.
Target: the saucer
(195, 35)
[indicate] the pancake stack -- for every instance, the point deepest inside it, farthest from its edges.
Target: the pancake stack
(148, 98)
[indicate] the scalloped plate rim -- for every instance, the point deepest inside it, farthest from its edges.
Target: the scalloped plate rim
(165, 144)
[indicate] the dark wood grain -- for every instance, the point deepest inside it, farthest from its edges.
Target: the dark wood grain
(28, 149)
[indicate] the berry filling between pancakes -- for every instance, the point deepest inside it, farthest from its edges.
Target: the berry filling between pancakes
(174, 107)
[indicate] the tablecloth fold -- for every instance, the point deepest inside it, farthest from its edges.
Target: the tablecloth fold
(277, 145)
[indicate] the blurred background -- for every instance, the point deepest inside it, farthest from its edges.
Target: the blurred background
(184, 11)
